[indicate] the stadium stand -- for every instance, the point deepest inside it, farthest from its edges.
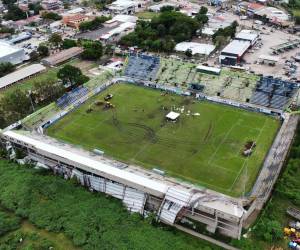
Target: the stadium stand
(273, 93)
(70, 97)
(142, 66)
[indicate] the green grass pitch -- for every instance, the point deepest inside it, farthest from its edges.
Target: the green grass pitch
(204, 150)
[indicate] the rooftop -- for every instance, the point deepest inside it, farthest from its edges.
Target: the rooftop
(20, 74)
(62, 56)
(7, 49)
(250, 35)
(196, 48)
(236, 47)
(172, 115)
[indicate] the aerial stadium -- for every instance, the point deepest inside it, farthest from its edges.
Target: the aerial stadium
(190, 143)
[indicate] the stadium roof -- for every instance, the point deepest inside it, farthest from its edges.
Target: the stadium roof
(62, 56)
(20, 74)
(91, 165)
(196, 48)
(134, 179)
(236, 47)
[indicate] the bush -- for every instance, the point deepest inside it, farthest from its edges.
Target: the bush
(91, 220)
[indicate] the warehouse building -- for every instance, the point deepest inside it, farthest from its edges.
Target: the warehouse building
(195, 48)
(62, 56)
(126, 7)
(112, 29)
(233, 53)
(247, 35)
(12, 54)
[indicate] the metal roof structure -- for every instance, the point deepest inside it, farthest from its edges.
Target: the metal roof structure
(247, 35)
(196, 48)
(62, 56)
(209, 69)
(20, 74)
(236, 47)
(93, 166)
(140, 180)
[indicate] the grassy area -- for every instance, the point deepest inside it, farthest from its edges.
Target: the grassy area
(89, 220)
(147, 15)
(21, 234)
(236, 85)
(267, 233)
(204, 149)
(49, 74)
(50, 110)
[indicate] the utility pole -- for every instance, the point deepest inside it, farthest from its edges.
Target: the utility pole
(29, 92)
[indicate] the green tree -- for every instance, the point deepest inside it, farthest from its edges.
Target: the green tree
(14, 13)
(34, 56)
(36, 7)
(94, 24)
(5, 68)
(15, 105)
(43, 50)
(92, 50)
(46, 91)
(161, 33)
(55, 39)
(71, 75)
(51, 16)
(69, 43)
(166, 8)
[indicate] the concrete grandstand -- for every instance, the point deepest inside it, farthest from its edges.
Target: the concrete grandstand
(142, 190)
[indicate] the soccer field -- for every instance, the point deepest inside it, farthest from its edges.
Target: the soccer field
(205, 149)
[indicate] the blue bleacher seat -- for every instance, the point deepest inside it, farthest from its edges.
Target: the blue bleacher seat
(72, 96)
(142, 67)
(272, 92)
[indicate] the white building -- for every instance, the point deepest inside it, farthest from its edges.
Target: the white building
(51, 4)
(247, 35)
(157, 7)
(126, 7)
(116, 33)
(196, 48)
(12, 54)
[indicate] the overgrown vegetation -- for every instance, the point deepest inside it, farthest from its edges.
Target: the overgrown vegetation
(8, 223)
(93, 24)
(223, 35)
(14, 13)
(92, 50)
(6, 67)
(71, 76)
(51, 16)
(91, 220)
(163, 32)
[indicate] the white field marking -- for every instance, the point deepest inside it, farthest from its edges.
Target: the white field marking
(247, 159)
(185, 178)
(220, 144)
(218, 166)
